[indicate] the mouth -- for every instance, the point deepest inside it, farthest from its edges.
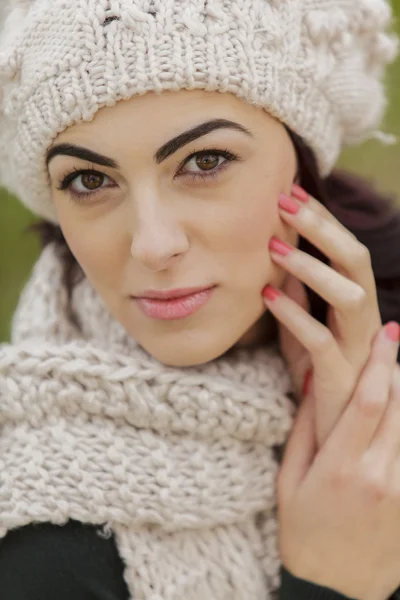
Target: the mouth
(174, 304)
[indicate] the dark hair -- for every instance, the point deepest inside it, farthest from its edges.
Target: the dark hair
(372, 218)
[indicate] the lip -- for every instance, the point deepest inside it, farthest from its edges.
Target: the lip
(169, 294)
(175, 304)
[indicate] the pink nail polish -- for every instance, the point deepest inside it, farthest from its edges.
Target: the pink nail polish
(271, 293)
(393, 331)
(277, 245)
(299, 193)
(288, 204)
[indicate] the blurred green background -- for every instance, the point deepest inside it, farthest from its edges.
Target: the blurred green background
(18, 250)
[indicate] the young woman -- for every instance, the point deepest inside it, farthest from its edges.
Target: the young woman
(161, 436)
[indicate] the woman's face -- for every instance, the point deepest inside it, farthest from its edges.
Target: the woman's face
(178, 210)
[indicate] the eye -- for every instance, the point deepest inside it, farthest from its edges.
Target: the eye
(207, 163)
(210, 162)
(83, 183)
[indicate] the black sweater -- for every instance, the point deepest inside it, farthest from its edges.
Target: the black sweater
(73, 562)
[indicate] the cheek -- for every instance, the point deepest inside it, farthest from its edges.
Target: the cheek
(255, 215)
(254, 226)
(251, 218)
(98, 246)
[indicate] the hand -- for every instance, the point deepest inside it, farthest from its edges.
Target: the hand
(337, 353)
(339, 511)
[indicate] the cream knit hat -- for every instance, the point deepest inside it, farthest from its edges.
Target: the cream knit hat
(316, 65)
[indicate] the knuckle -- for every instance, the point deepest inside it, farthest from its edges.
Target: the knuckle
(370, 405)
(361, 256)
(357, 299)
(376, 486)
(322, 342)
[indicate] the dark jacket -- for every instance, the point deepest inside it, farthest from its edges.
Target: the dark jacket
(73, 562)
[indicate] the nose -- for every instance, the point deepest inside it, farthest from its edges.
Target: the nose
(159, 239)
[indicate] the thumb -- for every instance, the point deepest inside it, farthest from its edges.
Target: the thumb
(300, 449)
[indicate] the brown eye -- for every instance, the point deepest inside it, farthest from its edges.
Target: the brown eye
(92, 181)
(83, 184)
(207, 162)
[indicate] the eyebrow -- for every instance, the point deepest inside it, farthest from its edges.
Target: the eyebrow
(162, 154)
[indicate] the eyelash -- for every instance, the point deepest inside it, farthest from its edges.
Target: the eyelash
(65, 183)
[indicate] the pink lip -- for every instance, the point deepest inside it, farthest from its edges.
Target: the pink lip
(169, 294)
(177, 306)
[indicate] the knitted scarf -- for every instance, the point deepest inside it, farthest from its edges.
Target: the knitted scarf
(179, 464)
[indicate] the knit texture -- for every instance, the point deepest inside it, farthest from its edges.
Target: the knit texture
(316, 65)
(180, 464)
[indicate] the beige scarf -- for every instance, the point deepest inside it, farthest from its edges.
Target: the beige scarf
(180, 464)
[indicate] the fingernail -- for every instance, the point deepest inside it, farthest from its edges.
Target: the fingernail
(280, 247)
(393, 331)
(271, 293)
(299, 193)
(307, 382)
(288, 204)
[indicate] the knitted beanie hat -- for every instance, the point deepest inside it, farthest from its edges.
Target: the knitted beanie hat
(317, 65)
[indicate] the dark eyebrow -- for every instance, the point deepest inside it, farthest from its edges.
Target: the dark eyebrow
(82, 153)
(162, 154)
(193, 134)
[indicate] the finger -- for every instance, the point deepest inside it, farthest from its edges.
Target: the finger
(300, 194)
(339, 291)
(299, 450)
(353, 433)
(293, 351)
(348, 284)
(333, 376)
(324, 231)
(385, 445)
(326, 356)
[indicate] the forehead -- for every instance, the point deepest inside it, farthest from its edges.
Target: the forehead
(166, 114)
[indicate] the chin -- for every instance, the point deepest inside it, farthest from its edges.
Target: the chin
(189, 352)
